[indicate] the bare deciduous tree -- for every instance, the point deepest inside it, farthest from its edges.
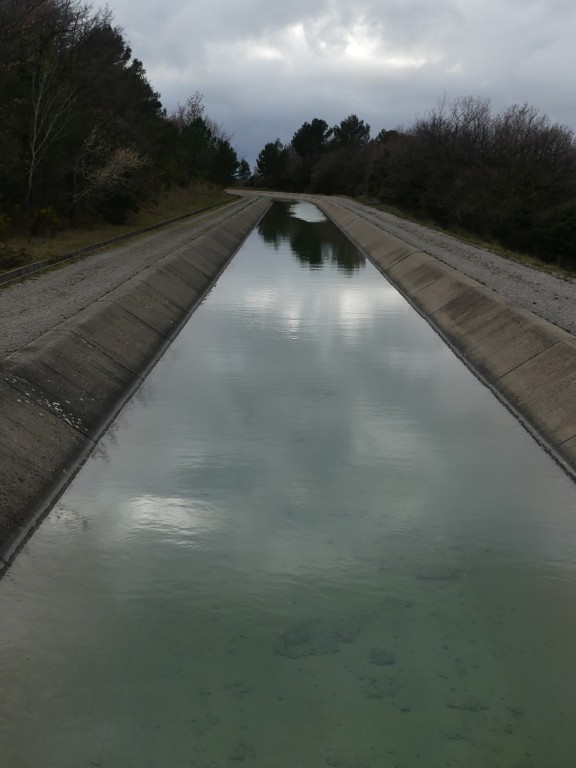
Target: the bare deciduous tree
(101, 168)
(51, 103)
(185, 114)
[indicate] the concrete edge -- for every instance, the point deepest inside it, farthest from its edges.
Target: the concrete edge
(39, 266)
(527, 362)
(61, 392)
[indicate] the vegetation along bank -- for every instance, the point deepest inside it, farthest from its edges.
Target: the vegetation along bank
(508, 178)
(84, 137)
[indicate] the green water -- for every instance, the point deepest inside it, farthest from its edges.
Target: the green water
(312, 539)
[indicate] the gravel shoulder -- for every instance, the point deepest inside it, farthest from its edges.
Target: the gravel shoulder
(33, 305)
(552, 298)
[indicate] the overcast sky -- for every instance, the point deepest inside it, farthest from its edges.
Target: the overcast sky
(264, 68)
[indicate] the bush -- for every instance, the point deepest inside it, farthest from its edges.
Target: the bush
(5, 226)
(45, 221)
(116, 207)
(554, 235)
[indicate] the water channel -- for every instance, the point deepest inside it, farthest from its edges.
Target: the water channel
(312, 539)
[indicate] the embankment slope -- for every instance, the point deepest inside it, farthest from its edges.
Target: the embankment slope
(60, 392)
(527, 361)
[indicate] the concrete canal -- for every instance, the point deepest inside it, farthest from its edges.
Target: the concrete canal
(312, 539)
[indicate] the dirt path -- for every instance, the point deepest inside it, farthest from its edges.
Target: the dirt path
(550, 297)
(35, 304)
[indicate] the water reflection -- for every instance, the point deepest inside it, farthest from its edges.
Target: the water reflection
(315, 539)
(314, 240)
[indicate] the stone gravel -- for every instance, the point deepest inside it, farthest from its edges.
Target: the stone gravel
(33, 305)
(549, 296)
(37, 303)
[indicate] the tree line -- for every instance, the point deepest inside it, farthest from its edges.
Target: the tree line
(508, 177)
(82, 132)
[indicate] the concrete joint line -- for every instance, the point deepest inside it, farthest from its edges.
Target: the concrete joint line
(443, 306)
(384, 271)
(400, 260)
(566, 441)
(76, 333)
(140, 278)
(422, 287)
(529, 359)
(139, 319)
(416, 250)
(503, 307)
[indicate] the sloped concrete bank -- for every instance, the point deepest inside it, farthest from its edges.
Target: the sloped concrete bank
(527, 361)
(59, 393)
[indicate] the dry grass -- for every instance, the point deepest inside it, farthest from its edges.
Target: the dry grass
(526, 259)
(24, 249)
(20, 250)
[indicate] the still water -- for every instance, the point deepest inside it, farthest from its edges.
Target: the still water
(312, 539)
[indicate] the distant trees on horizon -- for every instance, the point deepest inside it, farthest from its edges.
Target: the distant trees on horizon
(84, 137)
(507, 177)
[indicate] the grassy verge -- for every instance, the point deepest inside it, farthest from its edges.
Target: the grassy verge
(21, 250)
(526, 259)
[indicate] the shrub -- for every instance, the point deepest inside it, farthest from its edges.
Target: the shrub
(45, 221)
(5, 226)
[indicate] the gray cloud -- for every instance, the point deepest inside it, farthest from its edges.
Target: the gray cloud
(265, 68)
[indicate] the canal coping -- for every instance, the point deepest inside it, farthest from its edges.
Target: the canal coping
(61, 392)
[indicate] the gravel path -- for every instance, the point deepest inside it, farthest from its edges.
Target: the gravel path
(32, 305)
(551, 297)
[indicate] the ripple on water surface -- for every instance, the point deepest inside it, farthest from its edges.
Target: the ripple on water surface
(312, 538)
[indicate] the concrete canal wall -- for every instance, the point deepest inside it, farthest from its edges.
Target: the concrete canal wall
(59, 393)
(527, 361)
